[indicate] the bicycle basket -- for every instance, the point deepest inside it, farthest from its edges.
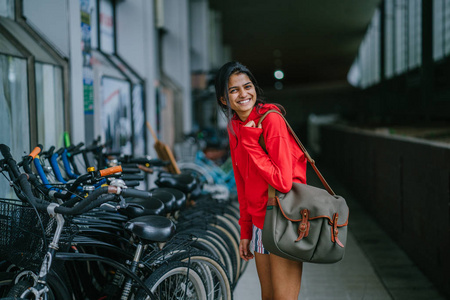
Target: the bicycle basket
(23, 233)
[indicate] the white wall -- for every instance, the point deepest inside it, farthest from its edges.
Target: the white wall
(59, 23)
(176, 58)
(51, 19)
(136, 44)
(199, 32)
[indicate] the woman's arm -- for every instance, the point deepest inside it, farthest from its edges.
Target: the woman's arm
(275, 166)
(245, 220)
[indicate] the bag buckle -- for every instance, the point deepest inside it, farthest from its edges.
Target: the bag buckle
(335, 231)
(303, 227)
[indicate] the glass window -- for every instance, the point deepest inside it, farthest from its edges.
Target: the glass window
(49, 105)
(365, 70)
(13, 110)
(446, 18)
(441, 28)
(400, 27)
(438, 29)
(415, 33)
(47, 109)
(389, 38)
(138, 104)
(27, 41)
(138, 120)
(7, 8)
(375, 48)
(118, 82)
(102, 19)
(106, 21)
(116, 115)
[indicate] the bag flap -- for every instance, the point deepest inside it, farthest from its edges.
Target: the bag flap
(318, 201)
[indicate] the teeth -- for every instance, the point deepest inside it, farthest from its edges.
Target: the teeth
(244, 101)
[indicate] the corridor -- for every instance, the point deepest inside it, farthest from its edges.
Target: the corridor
(374, 267)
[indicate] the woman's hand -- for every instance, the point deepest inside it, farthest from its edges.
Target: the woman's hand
(252, 124)
(244, 249)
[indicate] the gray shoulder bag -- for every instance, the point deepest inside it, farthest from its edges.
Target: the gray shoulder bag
(307, 224)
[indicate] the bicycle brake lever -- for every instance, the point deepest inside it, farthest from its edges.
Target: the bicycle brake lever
(108, 207)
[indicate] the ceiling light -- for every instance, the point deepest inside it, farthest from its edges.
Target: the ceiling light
(278, 74)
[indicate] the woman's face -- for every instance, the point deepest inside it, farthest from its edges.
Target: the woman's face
(242, 95)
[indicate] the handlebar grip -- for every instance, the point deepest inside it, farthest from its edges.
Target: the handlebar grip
(49, 152)
(75, 147)
(132, 177)
(109, 171)
(59, 151)
(129, 192)
(6, 152)
(36, 151)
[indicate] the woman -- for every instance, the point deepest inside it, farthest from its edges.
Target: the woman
(239, 97)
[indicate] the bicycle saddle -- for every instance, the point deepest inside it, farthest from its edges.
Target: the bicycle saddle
(137, 207)
(180, 197)
(184, 182)
(167, 198)
(151, 228)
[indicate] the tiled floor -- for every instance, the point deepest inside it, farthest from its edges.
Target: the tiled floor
(372, 268)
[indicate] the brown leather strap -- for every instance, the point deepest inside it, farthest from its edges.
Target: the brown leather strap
(272, 201)
(308, 157)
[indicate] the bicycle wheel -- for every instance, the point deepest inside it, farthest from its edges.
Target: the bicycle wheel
(207, 243)
(6, 279)
(176, 280)
(218, 285)
(233, 252)
(58, 288)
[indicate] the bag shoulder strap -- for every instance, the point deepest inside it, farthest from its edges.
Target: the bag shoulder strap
(308, 157)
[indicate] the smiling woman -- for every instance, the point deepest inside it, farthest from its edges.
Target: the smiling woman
(239, 96)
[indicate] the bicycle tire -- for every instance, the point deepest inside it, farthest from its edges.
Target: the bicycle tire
(59, 287)
(6, 279)
(57, 290)
(201, 172)
(221, 288)
(207, 243)
(231, 246)
(169, 282)
(234, 252)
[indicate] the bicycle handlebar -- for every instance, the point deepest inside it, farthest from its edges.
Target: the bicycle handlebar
(75, 148)
(95, 199)
(10, 162)
(36, 151)
(111, 170)
(136, 193)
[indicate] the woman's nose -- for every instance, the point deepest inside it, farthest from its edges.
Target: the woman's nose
(242, 93)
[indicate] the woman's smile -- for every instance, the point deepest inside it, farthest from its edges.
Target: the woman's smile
(242, 95)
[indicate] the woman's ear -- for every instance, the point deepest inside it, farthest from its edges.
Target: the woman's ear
(224, 102)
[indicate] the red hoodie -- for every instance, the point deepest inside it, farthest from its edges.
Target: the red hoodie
(254, 169)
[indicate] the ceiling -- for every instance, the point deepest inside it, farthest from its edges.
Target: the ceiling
(311, 41)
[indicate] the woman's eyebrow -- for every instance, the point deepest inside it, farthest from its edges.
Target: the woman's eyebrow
(233, 87)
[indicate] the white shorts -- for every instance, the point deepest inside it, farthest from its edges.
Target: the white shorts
(256, 243)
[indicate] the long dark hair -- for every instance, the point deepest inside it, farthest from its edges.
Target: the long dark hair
(221, 84)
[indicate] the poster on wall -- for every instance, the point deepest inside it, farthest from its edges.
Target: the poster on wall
(116, 115)
(88, 77)
(106, 26)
